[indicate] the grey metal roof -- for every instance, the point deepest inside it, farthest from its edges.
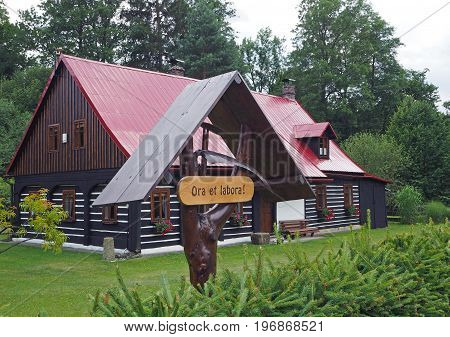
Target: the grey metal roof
(227, 102)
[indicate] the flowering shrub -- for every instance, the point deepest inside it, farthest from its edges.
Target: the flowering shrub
(45, 218)
(328, 213)
(238, 219)
(6, 215)
(163, 226)
(353, 210)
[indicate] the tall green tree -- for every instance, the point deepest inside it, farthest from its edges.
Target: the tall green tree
(151, 30)
(415, 84)
(446, 106)
(424, 133)
(25, 87)
(12, 55)
(18, 98)
(208, 47)
(381, 155)
(12, 124)
(378, 154)
(264, 60)
(86, 28)
(344, 64)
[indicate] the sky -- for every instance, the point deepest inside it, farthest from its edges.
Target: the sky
(427, 46)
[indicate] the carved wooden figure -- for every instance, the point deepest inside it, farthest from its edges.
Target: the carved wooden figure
(201, 231)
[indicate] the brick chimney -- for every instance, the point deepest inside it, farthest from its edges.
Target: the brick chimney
(176, 67)
(288, 90)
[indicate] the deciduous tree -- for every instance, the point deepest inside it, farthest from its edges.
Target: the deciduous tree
(12, 55)
(12, 123)
(43, 218)
(25, 87)
(264, 60)
(424, 133)
(344, 63)
(378, 154)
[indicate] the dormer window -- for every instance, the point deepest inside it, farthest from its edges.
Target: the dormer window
(316, 136)
(324, 147)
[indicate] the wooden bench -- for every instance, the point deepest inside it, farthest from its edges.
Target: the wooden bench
(294, 227)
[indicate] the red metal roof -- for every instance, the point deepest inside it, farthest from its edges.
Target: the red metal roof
(314, 130)
(129, 102)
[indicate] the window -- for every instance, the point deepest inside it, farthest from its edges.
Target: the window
(321, 197)
(160, 204)
(79, 139)
(68, 202)
(348, 196)
(53, 137)
(324, 147)
(109, 214)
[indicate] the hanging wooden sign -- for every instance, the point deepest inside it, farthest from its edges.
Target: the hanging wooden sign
(205, 190)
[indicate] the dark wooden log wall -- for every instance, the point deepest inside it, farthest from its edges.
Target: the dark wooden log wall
(232, 232)
(335, 201)
(74, 230)
(64, 103)
(98, 230)
(150, 238)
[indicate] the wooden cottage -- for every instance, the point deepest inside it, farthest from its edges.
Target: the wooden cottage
(92, 116)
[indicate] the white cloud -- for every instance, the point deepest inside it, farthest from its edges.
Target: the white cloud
(427, 46)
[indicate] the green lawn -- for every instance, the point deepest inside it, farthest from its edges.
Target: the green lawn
(32, 280)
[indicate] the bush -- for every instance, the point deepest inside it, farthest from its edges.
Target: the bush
(404, 275)
(408, 202)
(5, 189)
(437, 211)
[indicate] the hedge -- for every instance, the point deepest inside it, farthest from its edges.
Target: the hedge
(404, 275)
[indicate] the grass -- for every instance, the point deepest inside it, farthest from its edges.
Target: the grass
(32, 280)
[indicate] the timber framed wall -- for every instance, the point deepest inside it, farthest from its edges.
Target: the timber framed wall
(335, 201)
(87, 227)
(133, 230)
(63, 105)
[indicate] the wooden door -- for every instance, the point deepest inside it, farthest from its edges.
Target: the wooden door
(266, 216)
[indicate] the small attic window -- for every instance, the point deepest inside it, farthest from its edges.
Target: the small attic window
(79, 141)
(53, 137)
(324, 147)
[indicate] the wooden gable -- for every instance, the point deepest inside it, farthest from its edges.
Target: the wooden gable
(63, 105)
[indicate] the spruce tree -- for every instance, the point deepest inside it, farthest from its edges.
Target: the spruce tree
(208, 47)
(85, 28)
(151, 29)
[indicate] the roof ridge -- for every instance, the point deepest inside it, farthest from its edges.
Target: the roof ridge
(169, 75)
(129, 68)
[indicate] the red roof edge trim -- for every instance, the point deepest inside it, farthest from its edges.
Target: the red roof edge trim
(320, 180)
(38, 105)
(374, 177)
(312, 130)
(91, 104)
(362, 176)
